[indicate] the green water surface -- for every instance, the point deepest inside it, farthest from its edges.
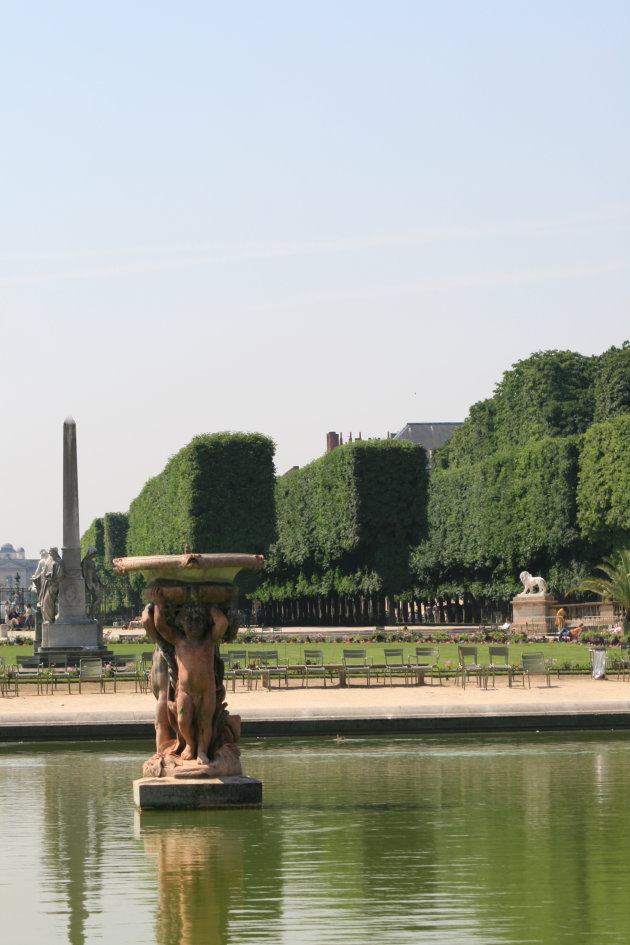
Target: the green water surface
(479, 839)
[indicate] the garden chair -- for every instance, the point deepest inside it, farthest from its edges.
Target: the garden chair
(237, 667)
(355, 664)
(499, 662)
(146, 662)
(30, 669)
(91, 669)
(534, 665)
(620, 663)
(395, 665)
(126, 666)
(60, 672)
(469, 666)
(271, 667)
(7, 678)
(314, 666)
(426, 659)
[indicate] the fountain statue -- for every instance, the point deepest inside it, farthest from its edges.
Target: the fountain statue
(192, 607)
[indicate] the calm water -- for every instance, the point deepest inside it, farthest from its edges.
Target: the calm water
(426, 840)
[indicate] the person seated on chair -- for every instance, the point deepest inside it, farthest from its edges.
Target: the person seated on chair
(575, 632)
(564, 634)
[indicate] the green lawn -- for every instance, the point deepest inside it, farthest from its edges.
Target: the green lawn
(566, 654)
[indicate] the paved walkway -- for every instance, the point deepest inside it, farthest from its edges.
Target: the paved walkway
(570, 702)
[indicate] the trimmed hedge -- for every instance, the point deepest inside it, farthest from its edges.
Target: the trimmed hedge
(604, 484)
(216, 494)
(347, 520)
(487, 522)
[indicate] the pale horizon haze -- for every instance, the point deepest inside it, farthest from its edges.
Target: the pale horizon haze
(290, 218)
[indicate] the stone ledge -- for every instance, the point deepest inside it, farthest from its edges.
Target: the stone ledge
(196, 793)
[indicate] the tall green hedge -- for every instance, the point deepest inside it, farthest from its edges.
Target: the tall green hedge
(115, 527)
(488, 521)
(612, 383)
(604, 484)
(550, 394)
(216, 494)
(94, 537)
(346, 521)
(108, 535)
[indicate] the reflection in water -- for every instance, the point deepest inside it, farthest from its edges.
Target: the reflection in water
(480, 840)
(72, 842)
(199, 872)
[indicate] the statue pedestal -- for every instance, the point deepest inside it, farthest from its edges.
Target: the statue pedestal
(73, 632)
(74, 638)
(197, 793)
(533, 609)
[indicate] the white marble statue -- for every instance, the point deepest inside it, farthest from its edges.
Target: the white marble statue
(532, 585)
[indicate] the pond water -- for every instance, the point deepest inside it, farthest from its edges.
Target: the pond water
(484, 840)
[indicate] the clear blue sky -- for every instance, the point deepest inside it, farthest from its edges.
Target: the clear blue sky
(293, 217)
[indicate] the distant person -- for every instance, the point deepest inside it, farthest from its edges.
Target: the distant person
(561, 619)
(575, 632)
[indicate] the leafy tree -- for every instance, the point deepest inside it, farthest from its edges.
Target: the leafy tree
(612, 383)
(474, 441)
(216, 495)
(548, 394)
(615, 586)
(346, 521)
(603, 493)
(489, 520)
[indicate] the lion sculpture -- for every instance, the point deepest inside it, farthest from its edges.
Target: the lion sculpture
(529, 583)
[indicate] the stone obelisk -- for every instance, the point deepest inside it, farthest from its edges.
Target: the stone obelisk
(72, 629)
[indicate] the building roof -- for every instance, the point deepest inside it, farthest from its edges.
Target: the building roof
(429, 435)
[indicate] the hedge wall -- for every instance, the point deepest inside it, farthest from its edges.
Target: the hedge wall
(216, 494)
(94, 537)
(604, 484)
(550, 394)
(489, 521)
(347, 520)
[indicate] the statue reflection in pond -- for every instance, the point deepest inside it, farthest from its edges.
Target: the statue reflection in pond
(199, 871)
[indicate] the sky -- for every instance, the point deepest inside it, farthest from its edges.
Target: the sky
(293, 217)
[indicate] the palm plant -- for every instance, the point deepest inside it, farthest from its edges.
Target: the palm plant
(615, 586)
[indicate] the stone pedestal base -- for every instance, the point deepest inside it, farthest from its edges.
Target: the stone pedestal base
(72, 633)
(532, 609)
(50, 654)
(197, 793)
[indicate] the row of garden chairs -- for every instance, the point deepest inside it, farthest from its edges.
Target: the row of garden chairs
(32, 670)
(532, 664)
(249, 666)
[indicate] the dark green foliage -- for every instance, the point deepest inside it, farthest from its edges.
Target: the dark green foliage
(490, 520)
(94, 537)
(108, 536)
(473, 441)
(116, 525)
(550, 394)
(612, 383)
(604, 483)
(216, 494)
(347, 520)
